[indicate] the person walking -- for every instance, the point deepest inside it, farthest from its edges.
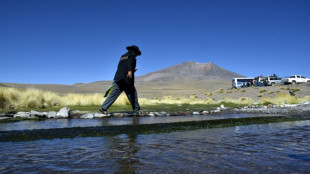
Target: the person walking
(124, 80)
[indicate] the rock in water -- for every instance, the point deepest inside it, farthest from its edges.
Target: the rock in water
(87, 116)
(39, 114)
(23, 114)
(51, 114)
(64, 112)
(97, 115)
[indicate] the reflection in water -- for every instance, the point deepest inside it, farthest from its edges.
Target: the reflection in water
(64, 123)
(261, 148)
(123, 150)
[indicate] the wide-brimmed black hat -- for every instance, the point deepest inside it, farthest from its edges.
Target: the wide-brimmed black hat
(135, 49)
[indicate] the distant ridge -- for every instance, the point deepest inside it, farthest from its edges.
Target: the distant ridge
(190, 71)
(183, 78)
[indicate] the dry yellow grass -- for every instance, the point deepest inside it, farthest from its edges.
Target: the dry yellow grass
(242, 100)
(263, 90)
(270, 92)
(219, 91)
(304, 99)
(229, 91)
(33, 98)
(279, 99)
(12, 98)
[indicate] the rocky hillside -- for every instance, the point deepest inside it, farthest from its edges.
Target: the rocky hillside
(190, 71)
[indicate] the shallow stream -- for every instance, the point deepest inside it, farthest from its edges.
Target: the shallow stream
(258, 148)
(70, 123)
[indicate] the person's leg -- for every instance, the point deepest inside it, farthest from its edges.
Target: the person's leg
(132, 95)
(112, 97)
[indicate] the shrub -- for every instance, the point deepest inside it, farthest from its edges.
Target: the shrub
(219, 91)
(245, 100)
(259, 95)
(270, 92)
(208, 101)
(229, 91)
(263, 90)
(295, 89)
(243, 90)
(193, 97)
(209, 94)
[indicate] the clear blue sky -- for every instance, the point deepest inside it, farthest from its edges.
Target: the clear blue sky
(72, 41)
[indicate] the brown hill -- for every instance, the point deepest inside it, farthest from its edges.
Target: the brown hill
(190, 71)
(184, 78)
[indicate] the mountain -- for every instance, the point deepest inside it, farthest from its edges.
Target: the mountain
(187, 77)
(190, 71)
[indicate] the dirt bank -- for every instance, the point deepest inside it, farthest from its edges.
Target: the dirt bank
(257, 93)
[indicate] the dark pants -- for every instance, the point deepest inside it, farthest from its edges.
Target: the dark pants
(118, 88)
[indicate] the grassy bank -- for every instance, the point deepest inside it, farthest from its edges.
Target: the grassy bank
(27, 99)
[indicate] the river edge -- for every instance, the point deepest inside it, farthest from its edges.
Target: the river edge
(302, 109)
(100, 131)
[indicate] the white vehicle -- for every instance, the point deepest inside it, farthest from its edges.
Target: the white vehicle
(242, 82)
(272, 80)
(294, 79)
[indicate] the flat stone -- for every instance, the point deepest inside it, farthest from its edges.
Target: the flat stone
(151, 114)
(215, 111)
(163, 113)
(87, 116)
(304, 104)
(39, 114)
(159, 114)
(118, 115)
(97, 115)
(289, 105)
(205, 112)
(23, 115)
(51, 114)
(64, 112)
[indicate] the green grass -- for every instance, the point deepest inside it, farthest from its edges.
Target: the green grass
(127, 108)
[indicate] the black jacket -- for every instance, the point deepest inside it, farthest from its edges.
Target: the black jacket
(127, 63)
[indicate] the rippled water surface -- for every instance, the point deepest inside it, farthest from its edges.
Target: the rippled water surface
(267, 148)
(64, 123)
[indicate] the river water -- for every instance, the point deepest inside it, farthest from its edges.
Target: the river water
(69, 123)
(261, 148)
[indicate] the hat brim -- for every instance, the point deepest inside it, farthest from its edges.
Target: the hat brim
(136, 50)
